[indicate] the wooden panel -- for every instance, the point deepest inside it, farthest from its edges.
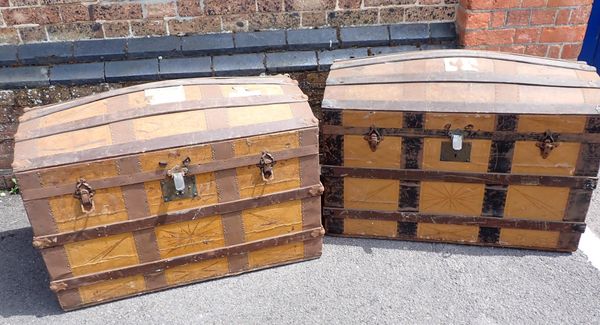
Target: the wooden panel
(483, 122)
(286, 176)
(69, 142)
(366, 227)
(250, 90)
(197, 271)
(451, 198)
(372, 118)
(529, 238)
(536, 202)
(269, 143)
(207, 195)
(197, 154)
(277, 254)
(71, 174)
(527, 159)
(111, 289)
(273, 220)
(77, 113)
(109, 208)
(189, 237)
(555, 123)
(480, 155)
(357, 152)
(165, 125)
(102, 254)
(457, 233)
(371, 194)
(239, 116)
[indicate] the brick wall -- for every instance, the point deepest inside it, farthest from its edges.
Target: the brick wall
(552, 28)
(29, 21)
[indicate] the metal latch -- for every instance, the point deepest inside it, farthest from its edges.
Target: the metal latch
(456, 149)
(547, 144)
(180, 186)
(85, 194)
(457, 136)
(265, 165)
(373, 137)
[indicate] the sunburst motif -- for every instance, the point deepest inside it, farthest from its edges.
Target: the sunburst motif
(451, 198)
(187, 235)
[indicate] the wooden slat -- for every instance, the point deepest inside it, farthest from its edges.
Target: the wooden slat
(435, 54)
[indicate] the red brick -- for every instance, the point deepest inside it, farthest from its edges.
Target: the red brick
(527, 35)
(489, 37)
(518, 18)
(543, 16)
(349, 4)
(189, 8)
(159, 10)
(519, 49)
(563, 34)
(195, 25)
(220, 7)
(117, 11)
(536, 49)
(8, 36)
(477, 20)
(580, 15)
(148, 27)
(4, 3)
(570, 51)
(73, 13)
(566, 3)
(430, 2)
(490, 4)
(563, 16)
(269, 5)
(313, 5)
(533, 3)
(498, 19)
(24, 3)
(42, 16)
(554, 51)
(116, 29)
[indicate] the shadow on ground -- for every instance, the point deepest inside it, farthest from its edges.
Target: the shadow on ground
(23, 277)
(368, 244)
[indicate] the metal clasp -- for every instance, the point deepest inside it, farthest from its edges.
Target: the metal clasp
(85, 194)
(373, 137)
(265, 165)
(457, 136)
(178, 173)
(547, 144)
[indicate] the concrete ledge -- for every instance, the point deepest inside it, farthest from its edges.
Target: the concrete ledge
(225, 43)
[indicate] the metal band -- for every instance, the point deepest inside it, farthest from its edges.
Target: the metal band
(465, 77)
(76, 282)
(495, 136)
(153, 110)
(578, 227)
(180, 216)
(460, 107)
(33, 193)
(578, 182)
(439, 54)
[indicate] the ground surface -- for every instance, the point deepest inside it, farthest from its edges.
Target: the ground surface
(355, 281)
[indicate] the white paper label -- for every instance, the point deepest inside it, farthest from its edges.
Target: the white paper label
(165, 95)
(460, 64)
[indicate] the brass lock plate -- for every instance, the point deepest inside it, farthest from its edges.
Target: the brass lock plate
(449, 154)
(169, 193)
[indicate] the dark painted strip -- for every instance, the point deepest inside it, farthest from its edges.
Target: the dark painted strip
(489, 235)
(334, 192)
(332, 117)
(586, 183)
(494, 200)
(543, 225)
(332, 150)
(407, 229)
(409, 196)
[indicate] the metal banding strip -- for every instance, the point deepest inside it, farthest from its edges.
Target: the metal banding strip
(465, 77)
(496, 135)
(461, 107)
(153, 110)
(122, 180)
(576, 227)
(40, 111)
(150, 222)
(440, 54)
(89, 279)
(579, 182)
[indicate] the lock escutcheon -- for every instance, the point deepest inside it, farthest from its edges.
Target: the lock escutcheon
(85, 194)
(265, 164)
(547, 144)
(373, 138)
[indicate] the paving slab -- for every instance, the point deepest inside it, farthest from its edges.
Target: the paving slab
(354, 282)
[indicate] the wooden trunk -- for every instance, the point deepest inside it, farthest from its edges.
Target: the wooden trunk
(142, 232)
(461, 146)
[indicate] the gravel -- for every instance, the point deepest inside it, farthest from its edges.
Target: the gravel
(355, 281)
